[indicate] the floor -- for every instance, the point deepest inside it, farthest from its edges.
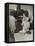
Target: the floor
(21, 36)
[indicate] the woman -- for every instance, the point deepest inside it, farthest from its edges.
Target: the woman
(12, 28)
(25, 22)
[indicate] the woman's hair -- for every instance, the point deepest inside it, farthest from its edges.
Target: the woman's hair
(26, 13)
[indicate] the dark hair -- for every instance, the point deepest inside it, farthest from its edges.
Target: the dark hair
(26, 13)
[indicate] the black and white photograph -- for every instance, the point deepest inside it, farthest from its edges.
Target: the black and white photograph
(20, 22)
